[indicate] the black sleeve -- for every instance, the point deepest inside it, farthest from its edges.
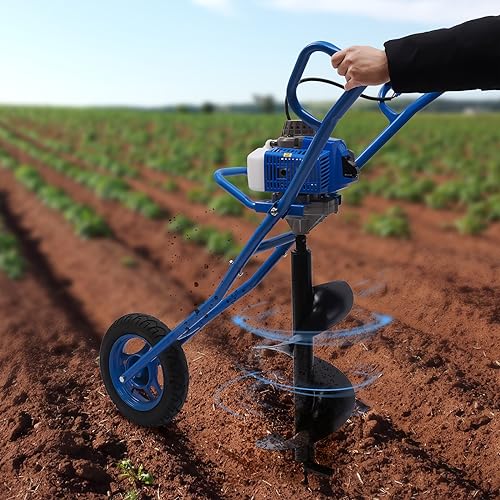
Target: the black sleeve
(464, 57)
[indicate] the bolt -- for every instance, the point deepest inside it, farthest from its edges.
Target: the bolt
(274, 211)
(122, 379)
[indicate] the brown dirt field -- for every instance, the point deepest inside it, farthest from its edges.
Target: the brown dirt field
(432, 430)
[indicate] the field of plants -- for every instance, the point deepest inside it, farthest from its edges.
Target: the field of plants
(105, 212)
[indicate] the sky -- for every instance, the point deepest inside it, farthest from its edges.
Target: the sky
(154, 53)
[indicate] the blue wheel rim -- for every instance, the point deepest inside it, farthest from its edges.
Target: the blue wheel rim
(144, 391)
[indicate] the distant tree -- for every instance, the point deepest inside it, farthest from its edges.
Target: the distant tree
(208, 107)
(182, 108)
(265, 103)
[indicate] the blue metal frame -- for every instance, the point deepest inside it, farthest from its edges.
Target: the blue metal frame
(286, 205)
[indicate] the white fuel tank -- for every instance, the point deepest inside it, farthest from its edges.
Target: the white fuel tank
(255, 167)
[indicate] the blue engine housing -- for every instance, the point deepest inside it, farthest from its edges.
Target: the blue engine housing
(330, 173)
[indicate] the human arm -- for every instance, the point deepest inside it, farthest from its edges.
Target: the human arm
(464, 57)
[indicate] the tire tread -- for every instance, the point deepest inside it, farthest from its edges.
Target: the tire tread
(173, 358)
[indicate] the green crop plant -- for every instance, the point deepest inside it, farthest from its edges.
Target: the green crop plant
(137, 477)
(444, 195)
(354, 194)
(129, 261)
(107, 188)
(179, 224)
(86, 222)
(392, 223)
(471, 224)
(170, 186)
(197, 234)
(6, 161)
(226, 204)
(142, 203)
(494, 208)
(29, 177)
(381, 184)
(409, 188)
(221, 243)
(12, 262)
(55, 198)
(198, 195)
(476, 219)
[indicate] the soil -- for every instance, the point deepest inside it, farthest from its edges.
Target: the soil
(427, 427)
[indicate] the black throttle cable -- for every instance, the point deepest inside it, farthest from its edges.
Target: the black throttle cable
(340, 86)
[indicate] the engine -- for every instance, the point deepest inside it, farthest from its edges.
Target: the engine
(272, 167)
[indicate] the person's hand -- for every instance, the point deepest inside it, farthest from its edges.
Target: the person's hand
(361, 65)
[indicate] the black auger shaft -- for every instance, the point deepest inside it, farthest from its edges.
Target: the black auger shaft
(302, 303)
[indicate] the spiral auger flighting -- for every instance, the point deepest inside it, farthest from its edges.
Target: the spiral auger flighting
(316, 413)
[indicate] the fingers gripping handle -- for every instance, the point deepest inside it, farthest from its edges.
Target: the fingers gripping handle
(347, 99)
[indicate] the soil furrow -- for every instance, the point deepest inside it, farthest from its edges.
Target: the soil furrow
(44, 274)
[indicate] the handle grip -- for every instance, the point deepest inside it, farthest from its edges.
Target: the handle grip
(298, 71)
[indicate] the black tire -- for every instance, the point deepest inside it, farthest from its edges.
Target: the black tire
(173, 363)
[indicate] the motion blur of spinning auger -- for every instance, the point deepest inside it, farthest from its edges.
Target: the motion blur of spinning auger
(142, 361)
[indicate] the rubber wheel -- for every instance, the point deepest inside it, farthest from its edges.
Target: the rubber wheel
(159, 403)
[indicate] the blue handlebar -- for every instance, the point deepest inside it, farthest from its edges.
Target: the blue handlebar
(346, 100)
(291, 92)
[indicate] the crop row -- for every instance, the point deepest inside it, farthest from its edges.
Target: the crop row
(216, 242)
(85, 222)
(12, 262)
(88, 224)
(205, 192)
(104, 186)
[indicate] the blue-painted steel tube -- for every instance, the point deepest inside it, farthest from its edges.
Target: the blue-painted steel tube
(220, 177)
(242, 290)
(396, 122)
(276, 241)
(297, 72)
(259, 206)
(206, 313)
